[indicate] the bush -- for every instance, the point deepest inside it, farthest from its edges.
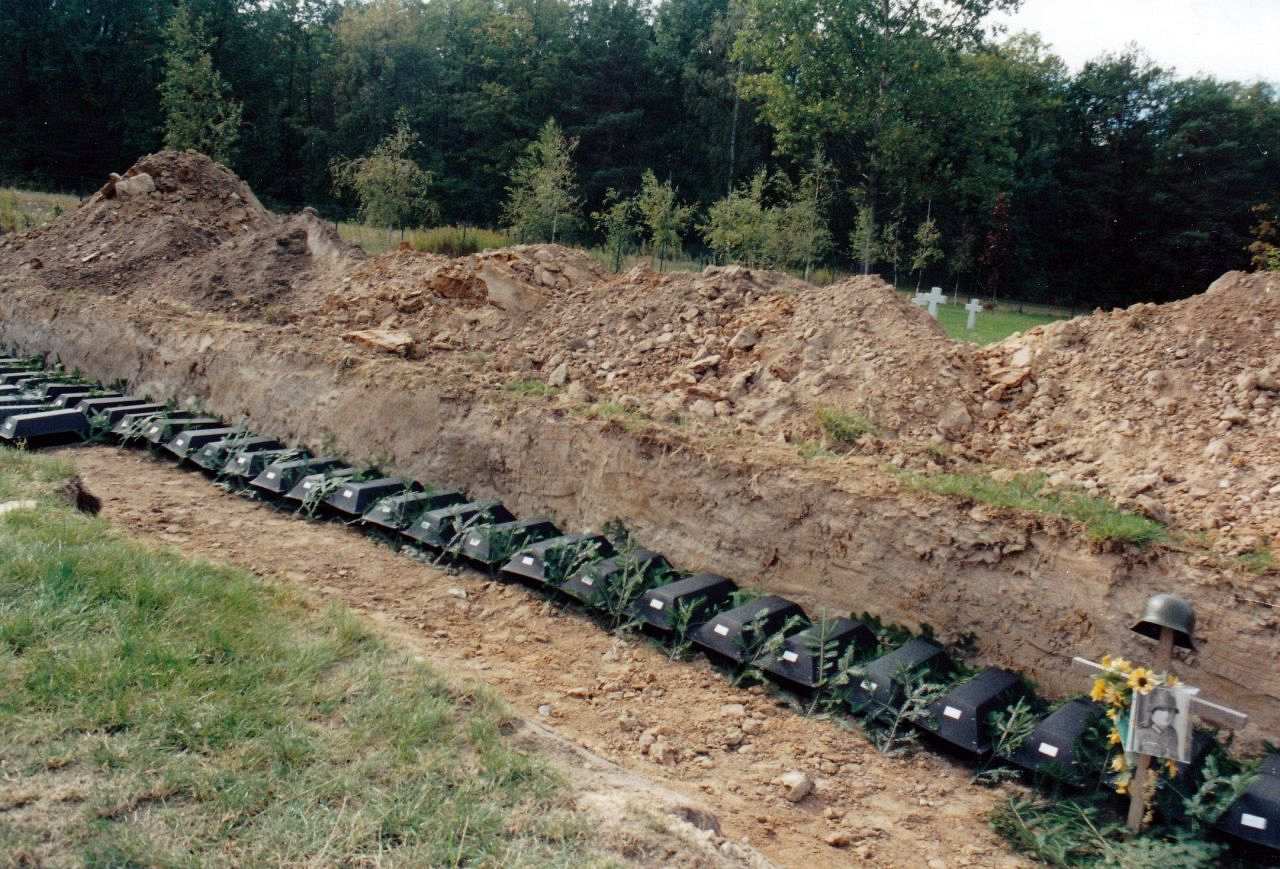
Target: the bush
(456, 240)
(843, 428)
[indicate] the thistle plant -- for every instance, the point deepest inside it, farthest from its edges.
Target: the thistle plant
(1011, 725)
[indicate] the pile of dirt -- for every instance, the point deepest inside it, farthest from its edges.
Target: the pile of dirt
(1172, 409)
(181, 229)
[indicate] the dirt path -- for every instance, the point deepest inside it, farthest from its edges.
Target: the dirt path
(681, 725)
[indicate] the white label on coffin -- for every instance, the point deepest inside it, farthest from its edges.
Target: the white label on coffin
(242, 460)
(952, 712)
(586, 580)
(1048, 750)
(790, 657)
(307, 485)
(722, 630)
(347, 493)
(178, 442)
(656, 604)
(474, 541)
(869, 686)
(527, 561)
(154, 429)
(271, 475)
(1255, 822)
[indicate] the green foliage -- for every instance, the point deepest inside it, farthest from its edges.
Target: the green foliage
(664, 217)
(891, 728)
(1070, 833)
(1218, 789)
(1264, 250)
(737, 227)
(681, 624)
(249, 727)
(842, 427)
(1259, 560)
(392, 189)
(542, 196)
(1011, 725)
(801, 235)
(1101, 519)
(864, 240)
(755, 647)
(928, 248)
(199, 111)
(616, 220)
(530, 387)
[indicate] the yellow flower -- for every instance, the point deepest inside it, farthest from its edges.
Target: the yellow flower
(1141, 680)
(1106, 662)
(1121, 664)
(1113, 714)
(1113, 737)
(1172, 766)
(1171, 680)
(1099, 690)
(1122, 787)
(1115, 697)
(1119, 764)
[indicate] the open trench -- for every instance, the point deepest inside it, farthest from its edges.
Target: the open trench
(1027, 593)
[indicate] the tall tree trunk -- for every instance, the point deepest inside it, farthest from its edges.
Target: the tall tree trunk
(733, 131)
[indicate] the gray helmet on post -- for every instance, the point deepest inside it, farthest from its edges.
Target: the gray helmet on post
(1169, 611)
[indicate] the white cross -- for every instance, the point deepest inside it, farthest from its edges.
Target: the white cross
(920, 300)
(933, 298)
(974, 308)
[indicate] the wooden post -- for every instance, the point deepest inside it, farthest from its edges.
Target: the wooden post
(1138, 783)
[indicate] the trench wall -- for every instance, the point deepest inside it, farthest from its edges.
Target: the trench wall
(1031, 595)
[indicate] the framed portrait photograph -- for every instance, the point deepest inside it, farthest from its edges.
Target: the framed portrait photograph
(1160, 723)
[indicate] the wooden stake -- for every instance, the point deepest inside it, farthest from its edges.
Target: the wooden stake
(1138, 783)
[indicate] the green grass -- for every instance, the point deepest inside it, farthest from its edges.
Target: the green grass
(1258, 561)
(842, 427)
(190, 716)
(1101, 519)
(530, 387)
(21, 210)
(447, 240)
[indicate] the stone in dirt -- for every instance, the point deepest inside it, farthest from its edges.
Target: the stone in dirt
(798, 785)
(392, 341)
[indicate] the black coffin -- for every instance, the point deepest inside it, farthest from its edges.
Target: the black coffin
(26, 377)
(116, 415)
(809, 658)
(960, 716)
(737, 634)
(398, 512)
(247, 465)
(72, 399)
(552, 560)
(1255, 815)
(8, 410)
(48, 424)
(9, 390)
(102, 403)
(883, 678)
(598, 581)
(58, 388)
(702, 593)
(302, 490)
(166, 428)
(446, 527)
(492, 545)
(279, 478)
(189, 441)
(16, 398)
(1051, 747)
(214, 456)
(358, 498)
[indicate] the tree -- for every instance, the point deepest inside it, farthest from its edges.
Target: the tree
(863, 241)
(928, 248)
(801, 235)
(1264, 250)
(737, 226)
(616, 219)
(890, 245)
(198, 109)
(542, 195)
(663, 215)
(995, 251)
(392, 189)
(961, 261)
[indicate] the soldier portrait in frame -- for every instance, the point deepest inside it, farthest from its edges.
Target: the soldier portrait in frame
(1160, 723)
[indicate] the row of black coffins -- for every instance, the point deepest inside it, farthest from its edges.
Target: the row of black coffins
(770, 634)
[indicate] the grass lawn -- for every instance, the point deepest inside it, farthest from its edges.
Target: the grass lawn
(21, 210)
(991, 326)
(159, 711)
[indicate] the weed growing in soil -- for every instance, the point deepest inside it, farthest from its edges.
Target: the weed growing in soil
(1101, 519)
(207, 720)
(1258, 561)
(1012, 725)
(843, 428)
(530, 387)
(681, 625)
(756, 647)
(888, 727)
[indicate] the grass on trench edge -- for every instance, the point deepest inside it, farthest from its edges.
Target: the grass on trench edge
(1101, 519)
(198, 718)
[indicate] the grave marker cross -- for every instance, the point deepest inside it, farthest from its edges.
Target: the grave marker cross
(933, 298)
(974, 308)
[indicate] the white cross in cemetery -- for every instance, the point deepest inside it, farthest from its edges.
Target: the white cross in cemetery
(974, 308)
(933, 298)
(1167, 619)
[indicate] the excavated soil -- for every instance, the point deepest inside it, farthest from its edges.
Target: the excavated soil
(657, 729)
(679, 402)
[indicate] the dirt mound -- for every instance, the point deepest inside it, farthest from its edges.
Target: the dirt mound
(1174, 409)
(179, 228)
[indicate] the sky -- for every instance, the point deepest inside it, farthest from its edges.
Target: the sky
(1229, 39)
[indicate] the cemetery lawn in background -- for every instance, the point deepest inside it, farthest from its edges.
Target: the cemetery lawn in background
(991, 326)
(164, 711)
(1101, 519)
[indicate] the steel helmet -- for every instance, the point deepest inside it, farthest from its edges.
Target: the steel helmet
(1169, 611)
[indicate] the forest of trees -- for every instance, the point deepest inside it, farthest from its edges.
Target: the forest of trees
(895, 135)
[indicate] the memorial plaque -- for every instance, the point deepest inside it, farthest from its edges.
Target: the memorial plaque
(596, 582)
(189, 441)
(809, 658)
(960, 717)
(446, 527)
(551, 561)
(703, 594)
(884, 677)
(398, 512)
(492, 545)
(736, 634)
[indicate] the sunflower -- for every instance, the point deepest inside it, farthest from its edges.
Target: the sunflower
(1115, 697)
(1119, 764)
(1098, 691)
(1122, 784)
(1106, 662)
(1121, 665)
(1171, 680)
(1113, 714)
(1141, 680)
(1171, 766)
(1113, 738)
